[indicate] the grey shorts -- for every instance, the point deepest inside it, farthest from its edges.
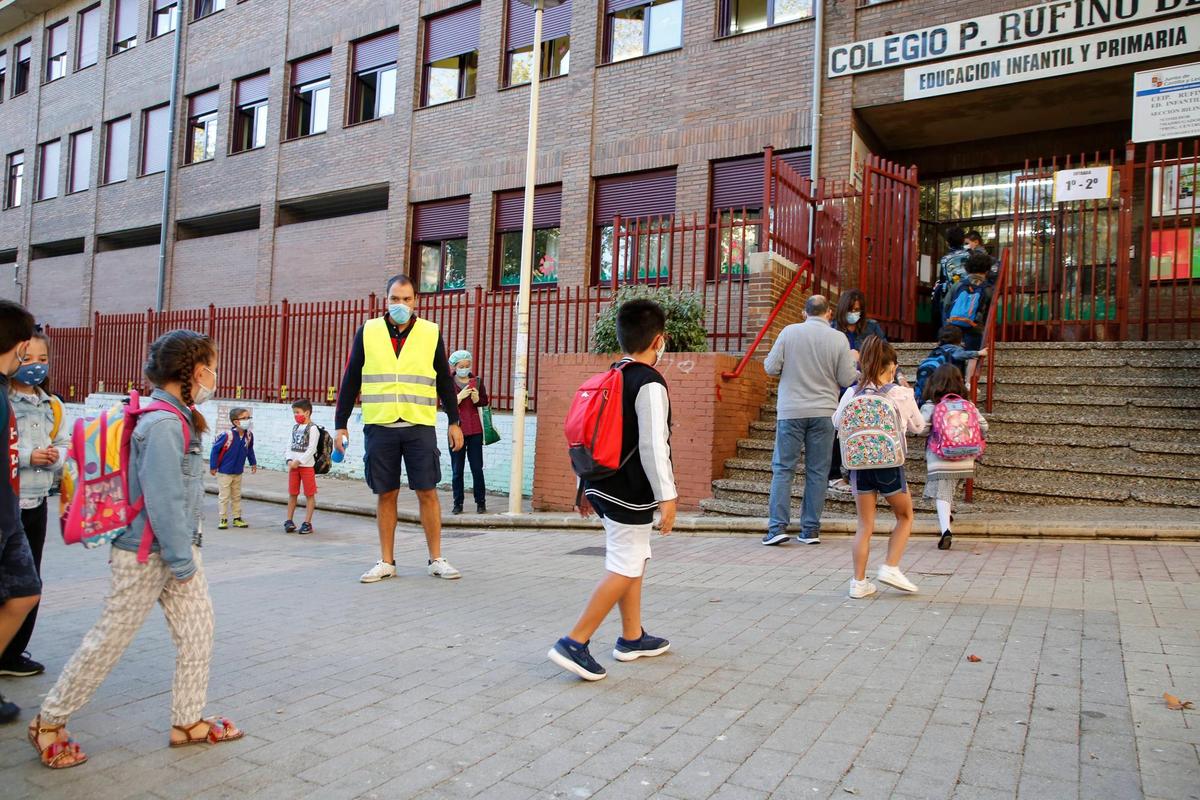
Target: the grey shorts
(414, 447)
(18, 573)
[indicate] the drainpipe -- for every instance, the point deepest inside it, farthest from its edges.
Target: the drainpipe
(818, 65)
(169, 175)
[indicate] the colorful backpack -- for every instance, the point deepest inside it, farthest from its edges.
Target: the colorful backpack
(871, 433)
(95, 483)
(956, 435)
(927, 367)
(968, 302)
(595, 425)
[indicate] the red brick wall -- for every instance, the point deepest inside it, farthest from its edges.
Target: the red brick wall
(214, 269)
(54, 290)
(705, 430)
(309, 254)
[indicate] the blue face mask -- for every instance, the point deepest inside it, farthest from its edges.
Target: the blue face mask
(400, 313)
(32, 374)
(853, 317)
(462, 373)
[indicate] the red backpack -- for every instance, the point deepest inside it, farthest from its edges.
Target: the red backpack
(596, 423)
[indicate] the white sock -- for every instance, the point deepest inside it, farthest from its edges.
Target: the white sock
(943, 512)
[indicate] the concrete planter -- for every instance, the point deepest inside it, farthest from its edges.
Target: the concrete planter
(709, 416)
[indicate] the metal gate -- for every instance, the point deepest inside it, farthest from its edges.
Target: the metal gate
(888, 256)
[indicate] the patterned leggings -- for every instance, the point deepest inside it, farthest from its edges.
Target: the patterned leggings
(135, 588)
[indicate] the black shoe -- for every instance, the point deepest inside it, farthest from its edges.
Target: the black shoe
(816, 539)
(480, 508)
(306, 527)
(9, 712)
(456, 510)
(289, 527)
(577, 659)
(21, 667)
(943, 543)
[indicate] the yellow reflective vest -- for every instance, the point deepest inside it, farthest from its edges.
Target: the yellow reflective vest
(400, 387)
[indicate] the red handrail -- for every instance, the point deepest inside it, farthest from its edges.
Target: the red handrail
(804, 270)
(989, 344)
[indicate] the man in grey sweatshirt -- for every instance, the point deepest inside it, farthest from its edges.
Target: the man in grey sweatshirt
(813, 361)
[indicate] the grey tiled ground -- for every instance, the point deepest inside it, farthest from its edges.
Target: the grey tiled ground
(777, 686)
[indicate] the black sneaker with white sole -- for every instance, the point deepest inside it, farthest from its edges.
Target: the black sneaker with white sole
(643, 647)
(775, 538)
(8, 711)
(808, 539)
(944, 543)
(21, 667)
(577, 659)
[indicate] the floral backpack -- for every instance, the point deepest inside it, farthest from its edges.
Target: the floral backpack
(956, 435)
(871, 434)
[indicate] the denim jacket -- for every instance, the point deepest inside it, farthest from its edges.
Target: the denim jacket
(35, 422)
(173, 484)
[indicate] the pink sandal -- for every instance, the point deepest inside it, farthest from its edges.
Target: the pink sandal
(219, 730)
(54, 752)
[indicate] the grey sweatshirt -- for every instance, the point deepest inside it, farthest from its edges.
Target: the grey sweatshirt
(813, 361)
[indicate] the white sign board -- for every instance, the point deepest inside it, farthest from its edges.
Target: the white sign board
(1005, 29)
(1166, 103)
(1179, 36)
(1093, 183)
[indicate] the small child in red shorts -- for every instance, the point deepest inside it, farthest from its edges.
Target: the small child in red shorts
(300, 458)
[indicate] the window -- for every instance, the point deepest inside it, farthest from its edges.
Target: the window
(309, 113)
(87, 44)
(451, 56)
(645, 201)
(373, 94)
(116, 150)
(155, 122)
(79, 172)
(125, 25)
(743, 16)
(737, 203)
(164, 19)
(205, 7)
(250, 117)
(510, 217)
(56, 51)
(202, 127)
(639, 28)
(556, 42)
(21, 55)
(3, 72)
(440, 245)
(14, 179)
(49, 158)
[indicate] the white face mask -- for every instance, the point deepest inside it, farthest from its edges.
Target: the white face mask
(205, 393)
(463, 373)
(244, 424)
(658, 354)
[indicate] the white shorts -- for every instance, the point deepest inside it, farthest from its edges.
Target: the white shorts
(626, 548)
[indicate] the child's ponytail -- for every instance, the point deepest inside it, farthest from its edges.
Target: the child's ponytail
(174, 356)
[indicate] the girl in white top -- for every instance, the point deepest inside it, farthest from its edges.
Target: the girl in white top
(877, 362)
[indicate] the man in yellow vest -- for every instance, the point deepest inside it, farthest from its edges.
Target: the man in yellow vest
(398, 365)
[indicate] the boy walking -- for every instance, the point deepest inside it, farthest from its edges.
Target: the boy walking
(625, 501)
(949, 350)
(227, 461)
(301, 459)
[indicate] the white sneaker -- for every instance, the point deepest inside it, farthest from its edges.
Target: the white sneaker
(893, 577)
(840, 486)
(378, 572)
(860, 589)
(441, 568)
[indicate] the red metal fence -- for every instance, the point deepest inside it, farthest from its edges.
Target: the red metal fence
(888, 254)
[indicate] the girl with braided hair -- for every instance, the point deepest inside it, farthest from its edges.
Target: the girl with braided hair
(166, 468)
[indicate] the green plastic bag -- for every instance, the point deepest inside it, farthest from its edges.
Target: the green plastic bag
(490, 434)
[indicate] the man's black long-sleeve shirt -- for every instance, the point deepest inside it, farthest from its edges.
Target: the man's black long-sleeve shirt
(352, 377)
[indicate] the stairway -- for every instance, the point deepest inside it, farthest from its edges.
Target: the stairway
(1087, 423)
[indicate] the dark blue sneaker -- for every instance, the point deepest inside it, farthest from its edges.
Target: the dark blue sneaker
(646, 646)
(577, 659)
(775, 538)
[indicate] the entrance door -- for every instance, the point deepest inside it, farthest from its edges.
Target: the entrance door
(888, 246)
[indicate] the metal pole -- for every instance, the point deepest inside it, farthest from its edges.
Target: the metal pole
(169, 175)
(516, 486)
(814, 140)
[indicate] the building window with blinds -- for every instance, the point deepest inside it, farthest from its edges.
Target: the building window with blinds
(79, 170)
(440, 245)
(21, 56)
(309, 112)
(116, 150)
(737, 203)
(510, 218)
(14, 179)
(87, 44)
(556, 42)
(124, 25)
(202, 127)
(744, 16)
(3, 72)
(49, 159)
(645, 202)
(451, 56)
(373, 91)
(250, 116)
(636, 28)
(204, 8)
(163, 20)
(155, 122)
(56, 51)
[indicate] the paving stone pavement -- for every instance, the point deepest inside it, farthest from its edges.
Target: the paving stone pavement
(776, 684)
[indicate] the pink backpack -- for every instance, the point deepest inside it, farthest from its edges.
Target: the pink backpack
(95, 482)
(956, 435)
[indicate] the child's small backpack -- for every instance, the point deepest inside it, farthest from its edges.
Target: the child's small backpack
(927, 367)
(964, 311)
(229, 443)
(323, 457)
(595, 425)
(871, 433)
(96, 485)
(956, 435)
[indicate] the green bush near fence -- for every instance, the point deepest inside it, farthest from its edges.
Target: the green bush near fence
(685, 320)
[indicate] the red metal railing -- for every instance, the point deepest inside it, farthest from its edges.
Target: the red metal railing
(989, 344)
(888, 252)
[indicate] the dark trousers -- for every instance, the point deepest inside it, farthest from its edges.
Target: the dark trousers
(473, 451)
(34, 520)
(835, 463)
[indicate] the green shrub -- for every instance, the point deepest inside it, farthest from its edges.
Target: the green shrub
(685, 319)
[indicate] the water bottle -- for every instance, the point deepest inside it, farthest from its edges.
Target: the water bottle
(340, 455)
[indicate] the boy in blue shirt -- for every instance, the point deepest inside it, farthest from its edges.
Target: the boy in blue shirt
(230, 452)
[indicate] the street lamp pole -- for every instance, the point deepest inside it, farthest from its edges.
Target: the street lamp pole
(516, 486)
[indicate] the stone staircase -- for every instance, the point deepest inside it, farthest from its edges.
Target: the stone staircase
(1108, 423)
